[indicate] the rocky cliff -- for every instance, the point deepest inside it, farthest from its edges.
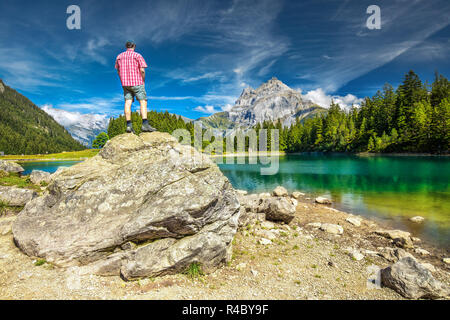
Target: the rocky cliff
(144, 206)
(272, 101)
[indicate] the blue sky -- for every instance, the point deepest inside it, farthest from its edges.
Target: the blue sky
(202, 54)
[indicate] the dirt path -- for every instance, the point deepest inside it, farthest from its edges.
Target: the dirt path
(301, 263)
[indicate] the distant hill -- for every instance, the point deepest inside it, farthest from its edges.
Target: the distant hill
(272, 101)
(26, 129)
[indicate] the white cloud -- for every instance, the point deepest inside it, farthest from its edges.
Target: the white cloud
(319, 97)
(206, 109)
(70, 118)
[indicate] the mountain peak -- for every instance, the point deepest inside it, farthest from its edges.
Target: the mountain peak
(272, 86)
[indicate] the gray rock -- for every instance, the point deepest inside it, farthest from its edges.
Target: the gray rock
(167, 198)
(417, 219)
(297, 195)
(412, 280)
(354, 221)
(16, 197)
(38, 176)
(280, 192)
(280, 209)
(331, 228)
(401, 238)
(322, 200)
(10, 166)
(393, 254)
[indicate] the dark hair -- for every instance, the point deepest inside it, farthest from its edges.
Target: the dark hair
(130, 44)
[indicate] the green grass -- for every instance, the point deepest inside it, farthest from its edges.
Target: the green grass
(3, 207)
(73, 155)
(194, 271)
(40, 262)
(13, 179)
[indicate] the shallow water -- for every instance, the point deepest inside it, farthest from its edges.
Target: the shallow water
(387, 188)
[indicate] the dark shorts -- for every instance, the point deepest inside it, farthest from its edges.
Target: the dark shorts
(137, 91)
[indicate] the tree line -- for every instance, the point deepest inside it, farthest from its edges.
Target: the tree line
(415, 117)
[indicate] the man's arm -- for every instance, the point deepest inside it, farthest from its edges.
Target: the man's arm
(142, 70)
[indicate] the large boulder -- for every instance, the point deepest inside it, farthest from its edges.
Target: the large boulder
(412, 280)
(144, 206)
(10, 166)
(16, 197)
(38, 176)
(280, 192)
(279, 209)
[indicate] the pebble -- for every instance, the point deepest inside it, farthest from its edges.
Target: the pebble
(264, 241)
(354, 221)
(446, 260)
(254, 272)
(421, 251)
(417, 219)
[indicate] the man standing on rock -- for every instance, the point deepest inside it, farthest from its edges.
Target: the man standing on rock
(131, 66)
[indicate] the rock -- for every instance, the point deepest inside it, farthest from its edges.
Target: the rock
(16, 197)
(254, 273)
(323, 200)
(294, 202)
(264, 195)
(280, 209)
(412, 280)
(250, 212)
(315, 225)
(421, 251)
(393, 254)
(401, 238)
(354, 254)
(148, 189)
(417, 219)
(267, 225)
(38, 176)
(297, 195)
(331, 228)
(10, 166)
(241, 192)
(446, 260)
(264, 241)
(414, 239)
(265, 234)
(280, 192)
(241, 266)
(428, 266)
(354, 221)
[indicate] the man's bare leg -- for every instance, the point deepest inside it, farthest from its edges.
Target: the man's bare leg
(146, 127)
(128, 115)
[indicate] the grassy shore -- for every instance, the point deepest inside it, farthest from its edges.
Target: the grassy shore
(74, 155)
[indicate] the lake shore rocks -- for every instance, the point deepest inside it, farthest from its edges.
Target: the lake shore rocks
(10, 166)
(280, 192)
(400, 238)
(322, 200)
(412, 280)
(171, 202)
(16, 197)
(38, 176)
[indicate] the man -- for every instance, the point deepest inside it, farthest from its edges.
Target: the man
(131, 66)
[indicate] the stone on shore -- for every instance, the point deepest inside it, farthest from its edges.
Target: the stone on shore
(16, 197)
(280, 192)
(280, 209)
(10, 166)
(354, 221)
(401, 238)
(297, 195)
(412, 280)
(331, 228)
(168, 199)
(417, 219)
(323, 200)
(38, 176)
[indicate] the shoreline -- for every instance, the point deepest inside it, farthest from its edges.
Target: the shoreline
(300, 262)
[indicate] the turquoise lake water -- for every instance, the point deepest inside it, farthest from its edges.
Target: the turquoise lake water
(385, 188)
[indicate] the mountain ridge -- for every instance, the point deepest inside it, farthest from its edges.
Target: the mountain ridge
(271, 101)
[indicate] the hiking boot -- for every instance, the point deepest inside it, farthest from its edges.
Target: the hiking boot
(147, 128)
(130, 129)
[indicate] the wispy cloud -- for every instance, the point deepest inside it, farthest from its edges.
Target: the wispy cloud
(323, 99)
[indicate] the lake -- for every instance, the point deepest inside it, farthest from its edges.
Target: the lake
(389, 189)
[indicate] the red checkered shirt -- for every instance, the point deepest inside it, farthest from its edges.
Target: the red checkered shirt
(129, 64)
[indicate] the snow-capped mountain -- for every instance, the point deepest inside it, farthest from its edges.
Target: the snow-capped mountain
(83, 127)
(272, 101)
